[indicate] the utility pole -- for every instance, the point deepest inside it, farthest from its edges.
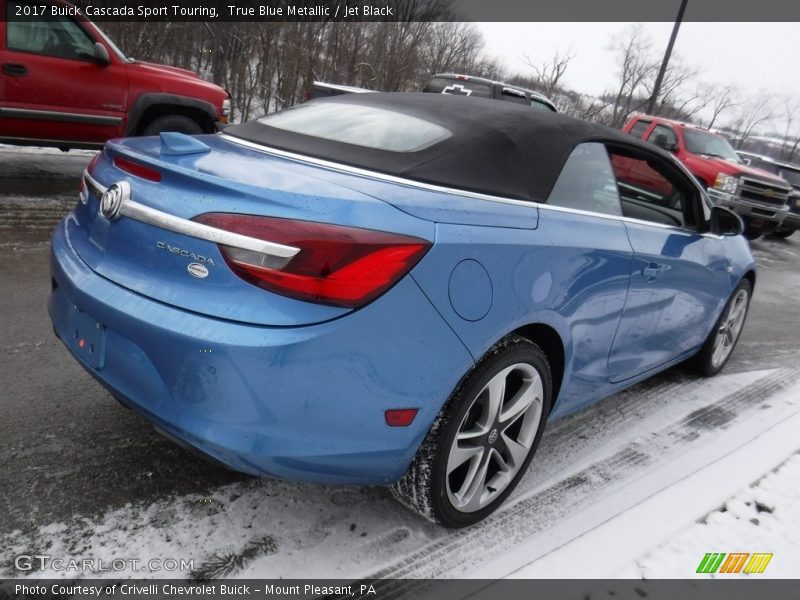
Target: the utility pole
(651, 106)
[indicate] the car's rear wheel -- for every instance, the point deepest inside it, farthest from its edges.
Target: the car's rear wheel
(484, 438)
(720, 343)
(177, 123)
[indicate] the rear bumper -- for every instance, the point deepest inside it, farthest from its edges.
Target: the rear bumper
(303, 403)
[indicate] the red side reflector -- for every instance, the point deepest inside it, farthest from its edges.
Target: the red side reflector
(400, 417)
(136, 169)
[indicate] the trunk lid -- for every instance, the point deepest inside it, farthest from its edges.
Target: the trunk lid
(191, 273)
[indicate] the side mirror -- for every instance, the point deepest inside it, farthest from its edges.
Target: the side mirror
(661, 141)
(725, 222)
(101, 54)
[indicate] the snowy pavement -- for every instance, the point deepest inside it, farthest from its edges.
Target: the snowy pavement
(764, 517)
(633, 486)
(593, 467)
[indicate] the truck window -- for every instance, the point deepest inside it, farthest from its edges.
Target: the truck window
(539, 105)
(709, 144)
(458, 87)
(48, 35)
(668, 132)
(512, 95)
(639, 128)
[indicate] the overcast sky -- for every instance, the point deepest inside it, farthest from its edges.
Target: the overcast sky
(753, 56)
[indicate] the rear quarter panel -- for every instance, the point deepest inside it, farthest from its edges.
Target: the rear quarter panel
(570, 274)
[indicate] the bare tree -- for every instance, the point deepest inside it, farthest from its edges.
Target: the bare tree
(754, 113)
(450, 46)
(549, 73)
(673, 100)
(719, 100)
(636, 65)
(791, 130)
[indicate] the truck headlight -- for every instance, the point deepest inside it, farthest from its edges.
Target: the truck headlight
(726, 183)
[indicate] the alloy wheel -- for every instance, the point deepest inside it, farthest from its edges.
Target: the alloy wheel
(729, 329)
(494, 437)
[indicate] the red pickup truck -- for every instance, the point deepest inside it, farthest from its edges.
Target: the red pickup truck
(65, 84)
(759, 197)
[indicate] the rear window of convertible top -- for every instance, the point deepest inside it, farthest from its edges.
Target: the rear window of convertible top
(359, 125)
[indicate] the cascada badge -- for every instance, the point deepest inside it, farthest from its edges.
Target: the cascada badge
(735, 562)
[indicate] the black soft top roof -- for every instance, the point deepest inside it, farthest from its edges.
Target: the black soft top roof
(496, 148)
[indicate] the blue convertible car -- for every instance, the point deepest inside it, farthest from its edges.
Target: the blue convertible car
(391, 288)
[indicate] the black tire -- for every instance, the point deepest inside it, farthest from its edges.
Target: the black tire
(425, 488)
(177, 123)
(782, 233)
(704, 362)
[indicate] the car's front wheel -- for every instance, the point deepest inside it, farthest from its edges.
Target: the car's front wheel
(484, 438)
(720, 343)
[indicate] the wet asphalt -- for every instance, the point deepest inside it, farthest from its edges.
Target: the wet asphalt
(67, 448)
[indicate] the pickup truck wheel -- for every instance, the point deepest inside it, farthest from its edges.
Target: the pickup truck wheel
(177, 123)
(720, 343)
(481, 443)
(750, 233)
(782, 233)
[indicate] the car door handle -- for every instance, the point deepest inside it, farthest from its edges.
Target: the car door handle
(653, 270)
(15, 70)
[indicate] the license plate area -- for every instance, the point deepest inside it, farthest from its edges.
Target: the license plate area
(88, 339)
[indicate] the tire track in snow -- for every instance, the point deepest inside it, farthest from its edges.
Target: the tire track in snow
(456, 554)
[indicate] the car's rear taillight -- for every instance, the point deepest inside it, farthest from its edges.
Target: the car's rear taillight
(336, 265)
(137, 169)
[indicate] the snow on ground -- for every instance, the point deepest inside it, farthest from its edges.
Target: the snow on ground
(592, 468)
(764, 517)
(684, 492)
(43, 150)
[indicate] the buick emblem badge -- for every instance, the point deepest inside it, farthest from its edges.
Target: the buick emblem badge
(113, 199)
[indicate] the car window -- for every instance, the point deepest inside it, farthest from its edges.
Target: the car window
(359, 125)
(667, 132)
(50, 35)
(645, 192)
(639, 128)
(587, 182)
